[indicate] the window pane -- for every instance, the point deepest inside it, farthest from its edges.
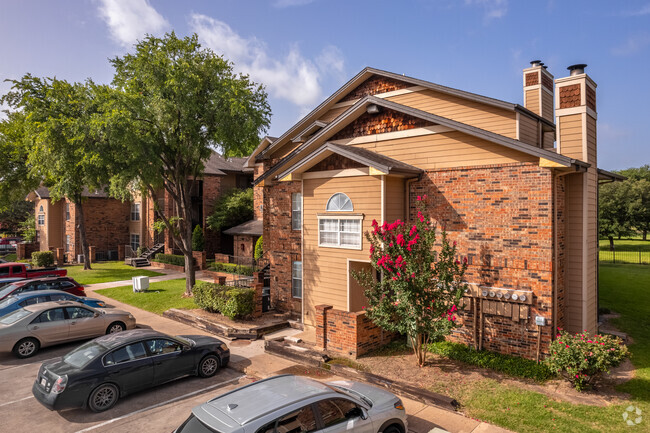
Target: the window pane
(329, 238)
(350, 239)
(350, 226)
(300, 421)
(160, 346)
(296, 280)
(51, 315)
(335, 411)
(78, 313)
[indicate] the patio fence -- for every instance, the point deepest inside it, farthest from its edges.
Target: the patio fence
(635, 257)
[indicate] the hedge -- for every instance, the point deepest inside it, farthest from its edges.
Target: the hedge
(43, 259)
(232, 268)
(232, 302)
(172, 259)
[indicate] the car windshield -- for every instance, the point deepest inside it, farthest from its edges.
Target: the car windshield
(193, 425)
(14, 316)
(7, 290)
(185, 341)
(82, 355)
(350, 392)
(7, 301)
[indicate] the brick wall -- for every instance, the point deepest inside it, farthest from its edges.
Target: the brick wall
(258, 194)
(282, 245)
(560, 227)
(107, 224)
(348, 334)
(211, 192)
(502, 219)
(244, 246)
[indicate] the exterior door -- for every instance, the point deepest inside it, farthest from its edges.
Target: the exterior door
(83, 323)
(342, 415)
(169, 360)
(130, 367)
(50, 326)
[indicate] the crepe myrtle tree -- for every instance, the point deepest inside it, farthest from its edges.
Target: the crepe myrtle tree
(420, 286)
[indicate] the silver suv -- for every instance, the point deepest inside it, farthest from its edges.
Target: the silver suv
(296, 404)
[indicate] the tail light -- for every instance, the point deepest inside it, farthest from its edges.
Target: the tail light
(59, 385)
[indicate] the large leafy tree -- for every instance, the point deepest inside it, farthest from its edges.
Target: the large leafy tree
(60, 140)
(233, 208)
(638, 203)
(613, 216)
(420, 285)
(176, 101)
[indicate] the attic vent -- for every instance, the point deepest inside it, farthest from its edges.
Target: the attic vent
(231, 406)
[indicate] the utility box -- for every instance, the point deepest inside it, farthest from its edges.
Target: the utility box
(140, 284)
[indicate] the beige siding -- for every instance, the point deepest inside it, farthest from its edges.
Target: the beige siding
(358, 299)
(592, 227)
(549, 140)
(285, 149)
(42, 230)
(571, 136)
(473, 113)
(333, 114)
(325, 279)
(445, 150)
(528, 130)
(55, 222)
(574, 251)
(547, 105)
(532, 101)
(394, 199)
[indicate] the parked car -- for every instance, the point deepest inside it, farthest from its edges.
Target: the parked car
(29, 328)
(290, 403)
(65, 284)
(99, 372)
(9, 243)
(14, 302)
(6, 281)
(20, 270)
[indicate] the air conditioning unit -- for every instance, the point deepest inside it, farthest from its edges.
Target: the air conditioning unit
(140, 284)
(80, 258)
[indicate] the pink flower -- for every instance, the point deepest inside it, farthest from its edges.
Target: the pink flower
(577, 376)
(363, 308)
(420, 216)
(567, 346)
(394, 278)
(374, 223)
(413, 231)
(372, 249)
(397, 302)
(400, 240)
(419, 198)
(454, 243)
(413, 275)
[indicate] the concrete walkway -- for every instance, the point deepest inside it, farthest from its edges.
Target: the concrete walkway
(250, 358)
(168, 275)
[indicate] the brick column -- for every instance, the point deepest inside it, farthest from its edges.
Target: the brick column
(199, 256)
(59, 256)
(91, 252)
(120, 253)
(220, 280)
(20, 251)
(259, 287)
(321, 325)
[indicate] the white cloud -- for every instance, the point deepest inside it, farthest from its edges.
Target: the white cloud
(493, 8)
(645, 10)
(289, 3)
(292, 77)
(130, 20)
(633, 44)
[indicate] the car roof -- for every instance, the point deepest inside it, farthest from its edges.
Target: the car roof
(263, 397)
(41, 306)
(113, 340)
(24, 295)
(43, 280)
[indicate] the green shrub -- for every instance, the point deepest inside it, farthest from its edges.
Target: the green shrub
(259, 248)
(581, 358)
(198, 242)
(172, 259)
(231, 302)
(42, 259)
(511, 365)
(232, 268)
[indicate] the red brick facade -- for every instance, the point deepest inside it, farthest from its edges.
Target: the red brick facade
(211, 192)
(591, 97)
(258, 194)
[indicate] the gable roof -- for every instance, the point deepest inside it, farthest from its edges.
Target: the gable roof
(360, 107)
(250, 228)
(43, 192)
(363, 76)
(218, 165)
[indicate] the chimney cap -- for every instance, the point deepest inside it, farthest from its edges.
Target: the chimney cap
(577, 69)
(536, 63)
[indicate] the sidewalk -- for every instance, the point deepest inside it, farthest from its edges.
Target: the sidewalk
(169, 275)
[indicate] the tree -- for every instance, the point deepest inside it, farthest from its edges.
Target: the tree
(175, 102)
(638, 204)
(197, 239)
(62, 142)
(233, 208)
(11, 219)
(259, 248)
(420, 288)
(613, 216)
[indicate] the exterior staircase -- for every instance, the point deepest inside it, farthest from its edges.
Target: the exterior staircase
(145, 257)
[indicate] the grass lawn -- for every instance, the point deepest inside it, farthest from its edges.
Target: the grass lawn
(624, 289)
(635, 244)
(160, 297)
(104, 272)
(10, 257)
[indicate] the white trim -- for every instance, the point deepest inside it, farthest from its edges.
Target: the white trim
(302, 257)
(415, 132)
(517, 120)
(533, 87)
(383, 198)
(390, 94)
(576, 110)
(547, 90)
(346, 172)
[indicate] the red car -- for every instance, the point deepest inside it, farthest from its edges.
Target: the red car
(65, 284)
(19, 270)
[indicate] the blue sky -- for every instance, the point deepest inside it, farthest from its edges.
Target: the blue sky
(303, 50)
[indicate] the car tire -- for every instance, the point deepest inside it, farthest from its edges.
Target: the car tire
(115, 327)
(26, 347)
(208, 366)
(392, 429)
(103, 397)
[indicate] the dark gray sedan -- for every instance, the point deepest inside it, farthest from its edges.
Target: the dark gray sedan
(98, 373)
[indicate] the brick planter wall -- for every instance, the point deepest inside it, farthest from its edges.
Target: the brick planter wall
(25, 250)
(199, 259)
(168, 266)
(348, 334)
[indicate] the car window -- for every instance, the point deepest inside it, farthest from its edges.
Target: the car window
(83, 354)
(7, 301)
(65, 285)
(161, 346)
(300, 421)
(126, 353)
(193, 425)
(78, 313)
(335, 410)
(14, 316)
(7, 289)
(17, 269)
(4, 271)
(34, 300)
(62, 297)
(53, 315)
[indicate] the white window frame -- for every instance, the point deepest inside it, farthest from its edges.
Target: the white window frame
(296, 275)
(135, 211)
(41, 219)
(133, 243)
(296, 211)
(330, 204)
(67, 211)
(67, 243)
(340, 218)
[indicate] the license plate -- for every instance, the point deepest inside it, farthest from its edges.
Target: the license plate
(43, 382)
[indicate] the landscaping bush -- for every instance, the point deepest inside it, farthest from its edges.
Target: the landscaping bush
(42, 259)
(259, 248)
(172, 259)
(581, 358)
(198, 241)
(231, 302)
(232, 268)
(511, 365)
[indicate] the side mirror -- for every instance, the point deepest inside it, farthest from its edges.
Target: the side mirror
(96, 314)
(356, 412)
(186, 348)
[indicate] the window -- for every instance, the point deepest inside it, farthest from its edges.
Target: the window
(135, 211)
(34, 300)
(127, 353)
(339, 232)
(300, 421)
(16, 269)
(54, 315)
(67, 211)
(336, 410)
(160, 346)
(78, 313)
(63, 297)
(135, 241)
(296, 279)
(41, 219)
(67, 243)
(339, 202)
(296, 211)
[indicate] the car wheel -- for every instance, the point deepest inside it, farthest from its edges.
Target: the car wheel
(103, 397)
(26, 347)
(115, 327)
(392, 429)
(208, 366)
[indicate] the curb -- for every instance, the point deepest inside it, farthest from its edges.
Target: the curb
(223, 330)
(316, 359)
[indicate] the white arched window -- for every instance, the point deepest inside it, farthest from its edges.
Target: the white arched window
(339, 202)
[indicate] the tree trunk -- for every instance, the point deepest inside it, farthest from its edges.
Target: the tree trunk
(645, 234)
(82, 233)
(186, 236)
(420, 348)
(611, 242)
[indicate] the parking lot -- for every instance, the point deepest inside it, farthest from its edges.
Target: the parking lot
(159, 409)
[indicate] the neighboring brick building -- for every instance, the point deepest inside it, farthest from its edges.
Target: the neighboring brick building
(515, 186)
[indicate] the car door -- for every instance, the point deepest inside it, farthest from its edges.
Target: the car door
(302, 420)
(170, 361)
(83, 323)
(50, 326)
(342, 415)
(130, 367)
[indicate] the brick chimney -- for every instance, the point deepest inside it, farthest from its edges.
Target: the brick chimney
(575, 110)
(538, 90)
